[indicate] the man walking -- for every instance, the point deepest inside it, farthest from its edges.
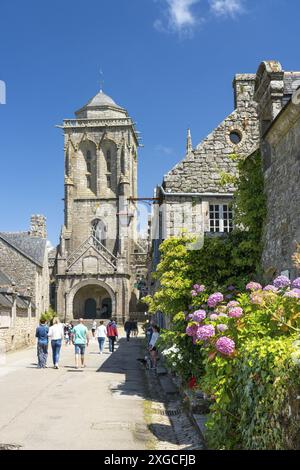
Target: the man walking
(112, 334)
(127, 328)
(80, 341)
(42, 344)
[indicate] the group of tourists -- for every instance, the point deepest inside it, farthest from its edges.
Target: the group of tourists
(77, 335)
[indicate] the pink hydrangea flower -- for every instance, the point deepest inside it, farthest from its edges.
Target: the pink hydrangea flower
(222, 327)
(253, 286)
(199, 315)
(235, 312)
(194, 293)
(223, 315)
(214, 317)
(205, 332)
(225, 346)
(256, 298)
(215, 299)
(233, 304)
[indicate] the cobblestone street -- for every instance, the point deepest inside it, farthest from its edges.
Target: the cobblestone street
(114, 403)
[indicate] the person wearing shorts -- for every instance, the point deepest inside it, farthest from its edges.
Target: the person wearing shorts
(80, 341)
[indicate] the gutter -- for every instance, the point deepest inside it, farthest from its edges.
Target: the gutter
(196, 194)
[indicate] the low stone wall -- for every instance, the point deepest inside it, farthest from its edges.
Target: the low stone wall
(22, 334)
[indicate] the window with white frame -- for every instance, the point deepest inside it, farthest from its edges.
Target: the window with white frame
(220, 218)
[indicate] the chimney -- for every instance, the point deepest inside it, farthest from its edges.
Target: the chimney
(38, 226)
(244, 88)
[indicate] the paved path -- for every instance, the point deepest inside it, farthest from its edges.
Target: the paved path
(100, 407)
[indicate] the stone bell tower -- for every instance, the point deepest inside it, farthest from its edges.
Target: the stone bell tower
(93, 267)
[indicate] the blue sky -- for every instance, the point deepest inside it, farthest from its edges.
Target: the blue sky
(170, 63)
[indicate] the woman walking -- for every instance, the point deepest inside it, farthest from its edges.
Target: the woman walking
(42, 344)
(152, 346)
(101, 333)
(56, 334)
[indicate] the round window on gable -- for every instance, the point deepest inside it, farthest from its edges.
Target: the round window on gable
(235, 137)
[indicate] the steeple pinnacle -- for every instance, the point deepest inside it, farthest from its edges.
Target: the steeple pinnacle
(189, 145)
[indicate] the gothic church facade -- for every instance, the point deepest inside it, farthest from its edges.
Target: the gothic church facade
(94, 267)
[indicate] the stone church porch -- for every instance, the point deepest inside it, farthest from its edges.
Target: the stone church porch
(92, 302)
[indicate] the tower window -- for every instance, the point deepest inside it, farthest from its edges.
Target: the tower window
(99, 232)
(88, 156)
(109, 182)
(88, 182)
(220, 218)
(89, 167)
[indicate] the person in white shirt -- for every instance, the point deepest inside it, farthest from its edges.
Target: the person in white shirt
(94, 326)
(152, 346)
(56, 334)
(101, 333)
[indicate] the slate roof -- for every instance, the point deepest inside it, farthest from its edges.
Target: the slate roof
(4, 279)
(31, 247)
(5, 301)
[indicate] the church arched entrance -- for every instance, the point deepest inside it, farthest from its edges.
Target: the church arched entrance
(92, 302)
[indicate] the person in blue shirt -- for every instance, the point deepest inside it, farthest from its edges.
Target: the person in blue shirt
(42, 344)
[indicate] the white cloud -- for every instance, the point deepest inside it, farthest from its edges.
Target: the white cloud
(163, 149)
(181, 17)
(184, 16)
(226, 7)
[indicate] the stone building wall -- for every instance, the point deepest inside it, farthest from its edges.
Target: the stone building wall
(20, 335)
(279, 119)
(27, 275)
(195, 182)
(281, 148)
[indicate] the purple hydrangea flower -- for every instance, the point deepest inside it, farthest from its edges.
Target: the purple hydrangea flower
(213, 317)
(191, 330)
(253, 286)
(199, 315)
(199, 288)
(235, 312)
(270, 288)
(228, 296)
(189, 316)
(233, 304)
(294, 293)
(194, 293)
(231, 288)
(205, 332)
(222, 327)
(225, 346)
(281, 282)
(296, 283)
(215, 299)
